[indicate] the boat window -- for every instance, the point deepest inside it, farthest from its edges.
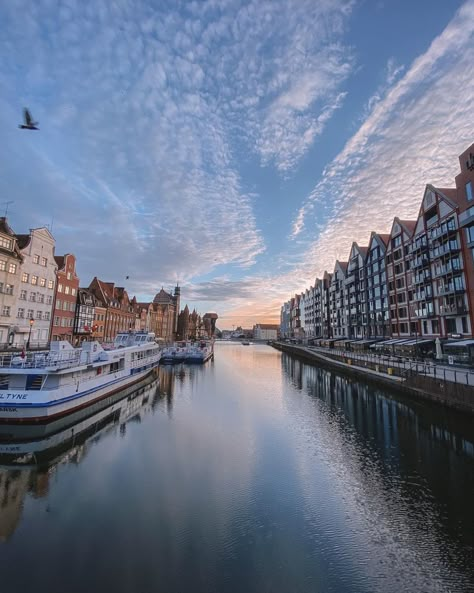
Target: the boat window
(4, 381)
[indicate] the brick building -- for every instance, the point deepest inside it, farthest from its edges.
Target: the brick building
(65, 298)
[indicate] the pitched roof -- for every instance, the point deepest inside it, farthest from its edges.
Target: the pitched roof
(23, 240)
(384, 237)
(163, 298)
(59, 259)
(5, 227)
(409, 225)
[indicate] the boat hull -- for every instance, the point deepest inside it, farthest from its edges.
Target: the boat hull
(46, 410)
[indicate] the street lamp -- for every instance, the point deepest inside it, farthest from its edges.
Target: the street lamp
(32, 322)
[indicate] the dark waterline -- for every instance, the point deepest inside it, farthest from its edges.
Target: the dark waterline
(254, 473)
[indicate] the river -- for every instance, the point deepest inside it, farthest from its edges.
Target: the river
(253, 473)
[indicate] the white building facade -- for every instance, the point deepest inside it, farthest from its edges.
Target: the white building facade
(34, 299)
(10, 264)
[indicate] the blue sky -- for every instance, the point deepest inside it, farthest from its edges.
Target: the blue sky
(235, 147)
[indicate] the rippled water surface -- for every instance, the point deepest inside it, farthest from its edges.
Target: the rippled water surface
(254, 473)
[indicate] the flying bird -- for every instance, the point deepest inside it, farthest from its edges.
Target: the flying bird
(29, 123)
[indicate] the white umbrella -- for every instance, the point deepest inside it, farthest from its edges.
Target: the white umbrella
(439, 351)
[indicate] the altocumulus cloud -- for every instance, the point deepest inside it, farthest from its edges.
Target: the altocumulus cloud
(141, 107)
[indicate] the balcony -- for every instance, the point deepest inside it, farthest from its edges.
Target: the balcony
(419, 248)
(443, 231)
(459, 309)
(423, 296)
(446, 249)
(467, 217)
(446, 270)
(450, 289)
(420, 262)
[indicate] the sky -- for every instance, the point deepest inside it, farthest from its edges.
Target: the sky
(236, 148)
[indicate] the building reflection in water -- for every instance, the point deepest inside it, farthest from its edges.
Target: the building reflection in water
(404, 454)
(27, 464)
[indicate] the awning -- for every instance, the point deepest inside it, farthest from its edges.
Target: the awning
(460, 343)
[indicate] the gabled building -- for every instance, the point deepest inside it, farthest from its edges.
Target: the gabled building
(38, 280)
(120, 312)
(65, 298)
(265, 331)
(338, 320)
(165, 314)
(84, 318)
(355, 298)
(10, 286)
(401, 290)
(285, 320)
(378, 322)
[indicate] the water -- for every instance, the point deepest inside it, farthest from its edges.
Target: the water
(254, 473)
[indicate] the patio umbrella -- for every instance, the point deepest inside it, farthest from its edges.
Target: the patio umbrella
(439, 352)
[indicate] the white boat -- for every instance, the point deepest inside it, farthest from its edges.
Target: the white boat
(46, 385)
(174, 354)
(199, 353)
(30, 445)
(245, 343)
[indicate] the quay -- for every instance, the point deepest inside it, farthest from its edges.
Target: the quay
(450, 387)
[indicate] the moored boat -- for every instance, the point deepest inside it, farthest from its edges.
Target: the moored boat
(47, 385)
(174, 354)
(199, 353)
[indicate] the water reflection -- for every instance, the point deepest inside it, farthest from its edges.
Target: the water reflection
(254, 473)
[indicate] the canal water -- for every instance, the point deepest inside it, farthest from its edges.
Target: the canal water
(254, 473)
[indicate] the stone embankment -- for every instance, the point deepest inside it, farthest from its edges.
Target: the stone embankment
(404, 379)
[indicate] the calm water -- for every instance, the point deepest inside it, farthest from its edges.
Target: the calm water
(255, 473)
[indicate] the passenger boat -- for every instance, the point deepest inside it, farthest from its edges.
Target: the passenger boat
(174, 354)
(199, 353)
(44, 443)
(41, 386)
(245, 343)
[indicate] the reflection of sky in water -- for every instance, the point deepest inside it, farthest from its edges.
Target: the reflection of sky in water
(253, 473)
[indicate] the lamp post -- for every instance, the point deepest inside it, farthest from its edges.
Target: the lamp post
(32, 322)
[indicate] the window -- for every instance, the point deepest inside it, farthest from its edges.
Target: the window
(402, 312)
(9, 289)
(403, 328)
(401, 297)
(72, 307)
(21, 313)
(451, 326)
(40, 298)
(470, 234)
(38, 314)
(36, 259)
(30, 313)
(6, 311)
(73, 291)
(425, 327)
(69, 275)
(50, 284)
(34, 280)
(6, 243)
(66, 290)
(65, 305)
(71, 322)
(46, 315)
(60, 287)
(3, 265)
(59, 304)
(12, 268)
(33, 297)
(43, 282)
(23, 295)
(49, 300)
(464, 325)
(44, 261)
(469, 194)
(399, 268)
(56, 321)
(25, 277)
(64, 322)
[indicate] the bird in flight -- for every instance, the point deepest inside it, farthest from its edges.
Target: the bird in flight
(29, 123)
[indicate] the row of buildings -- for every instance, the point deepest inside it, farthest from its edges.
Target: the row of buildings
(41, 299)
(416, 281)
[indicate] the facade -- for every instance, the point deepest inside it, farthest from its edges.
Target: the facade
(34, 305)
(378, 314)
(296, 330)
(164, 317)
(120, 311)
(10, 285)
(265, 331)
(65, 298)
(209, 321)
(189, 325)
(403, 297)
(355, 294)
(322, 325)
(85, 315)
(337, 316)
(285, 320)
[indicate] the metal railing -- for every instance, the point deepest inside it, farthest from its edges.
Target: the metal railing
(41, 360)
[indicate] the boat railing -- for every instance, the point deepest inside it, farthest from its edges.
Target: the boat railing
(41, 360)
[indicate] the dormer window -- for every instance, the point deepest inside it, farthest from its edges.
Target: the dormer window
(6, 243)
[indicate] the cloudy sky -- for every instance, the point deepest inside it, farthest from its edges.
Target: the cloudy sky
(235, 147)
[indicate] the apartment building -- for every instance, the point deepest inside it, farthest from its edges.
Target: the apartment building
(338, 319)
(65, 298)
(34, 303)
(378, 324)
(355, 297)
(401, 293)
(10, 276)
(321, 307)
(285, 320)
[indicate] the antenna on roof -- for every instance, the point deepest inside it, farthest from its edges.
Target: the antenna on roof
(7, 204)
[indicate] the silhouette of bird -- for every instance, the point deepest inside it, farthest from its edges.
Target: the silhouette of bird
(29, 123)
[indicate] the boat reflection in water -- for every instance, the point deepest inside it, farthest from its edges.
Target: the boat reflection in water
(29, 454)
